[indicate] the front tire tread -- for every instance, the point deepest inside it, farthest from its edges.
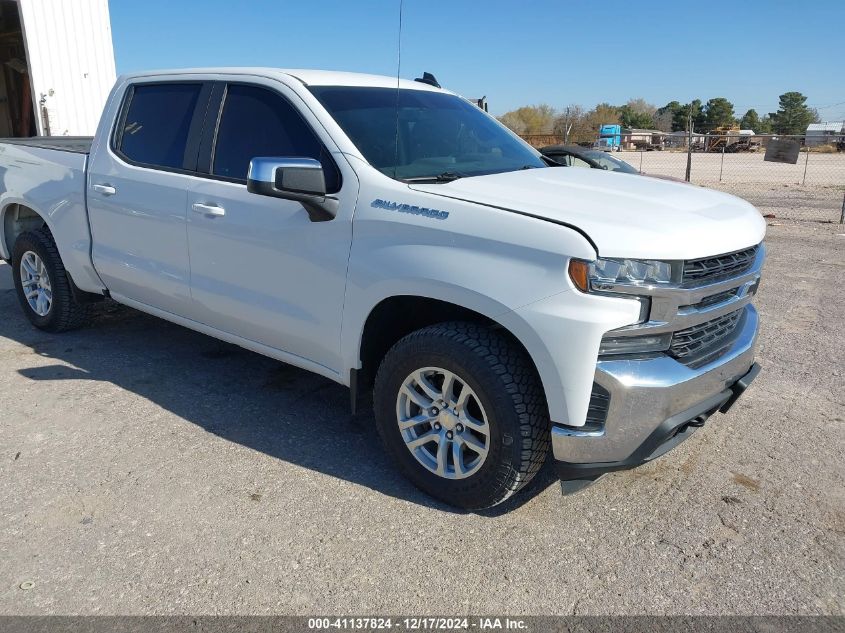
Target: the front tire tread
(514, 374)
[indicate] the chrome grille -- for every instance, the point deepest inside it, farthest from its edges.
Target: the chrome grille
(712, 268)
(703, 336)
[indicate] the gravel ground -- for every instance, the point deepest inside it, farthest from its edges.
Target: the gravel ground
(146, 469)
(750, 167)
(775, 188)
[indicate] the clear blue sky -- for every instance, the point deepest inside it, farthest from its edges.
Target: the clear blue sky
(516, 52)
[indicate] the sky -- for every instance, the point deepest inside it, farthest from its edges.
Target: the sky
(559, 52)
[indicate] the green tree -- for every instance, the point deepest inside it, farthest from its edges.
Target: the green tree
(633, 119)
(637, 113)
(750, 121)
(718, 112)
(682, 116)
(793, 116)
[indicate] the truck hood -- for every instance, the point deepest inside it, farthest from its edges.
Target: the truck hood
(624, 215)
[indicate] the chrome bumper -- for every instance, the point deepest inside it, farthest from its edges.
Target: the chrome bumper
(650, 396)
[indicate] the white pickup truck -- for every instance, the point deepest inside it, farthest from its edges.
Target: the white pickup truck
(395, 238)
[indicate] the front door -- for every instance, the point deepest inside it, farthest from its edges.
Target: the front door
(260, 268)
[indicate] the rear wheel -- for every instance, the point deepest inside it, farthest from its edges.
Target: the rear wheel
(42, 284)
(460, 409)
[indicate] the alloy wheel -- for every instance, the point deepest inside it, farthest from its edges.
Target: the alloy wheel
(443, 422)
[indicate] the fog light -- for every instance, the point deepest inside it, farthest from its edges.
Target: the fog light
(635, 344)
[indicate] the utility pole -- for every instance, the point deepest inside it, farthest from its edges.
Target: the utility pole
(689, 144)
(842, 215)
(566, 127)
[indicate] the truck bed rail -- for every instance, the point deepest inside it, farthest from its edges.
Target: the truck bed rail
(77, 144)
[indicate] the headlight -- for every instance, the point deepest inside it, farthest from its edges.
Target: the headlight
(626, 271)
(636, 275)
(604, 273)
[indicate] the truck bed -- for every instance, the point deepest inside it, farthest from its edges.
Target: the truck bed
(44, 179)
(78, 144)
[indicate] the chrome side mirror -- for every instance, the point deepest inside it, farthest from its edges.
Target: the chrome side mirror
(299, 179)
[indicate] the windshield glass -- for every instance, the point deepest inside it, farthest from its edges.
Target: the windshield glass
(439, 134)
(610, 163)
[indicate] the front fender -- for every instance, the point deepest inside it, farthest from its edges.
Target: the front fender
(487, 260)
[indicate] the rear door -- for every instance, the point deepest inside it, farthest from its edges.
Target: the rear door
(137, 191)
(260, 268)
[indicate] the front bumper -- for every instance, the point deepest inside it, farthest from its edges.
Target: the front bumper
(655, 404)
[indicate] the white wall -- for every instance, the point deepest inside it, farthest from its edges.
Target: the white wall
(69, 51)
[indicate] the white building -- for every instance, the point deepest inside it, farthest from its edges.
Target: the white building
(824, 133)
(680, 138)
(57, 64)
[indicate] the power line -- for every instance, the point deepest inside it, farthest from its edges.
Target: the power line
(766, 106)
(832, 105)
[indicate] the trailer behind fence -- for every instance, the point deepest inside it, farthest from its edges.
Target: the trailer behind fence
(812, 188)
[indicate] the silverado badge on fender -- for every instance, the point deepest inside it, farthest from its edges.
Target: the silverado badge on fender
(434, 214)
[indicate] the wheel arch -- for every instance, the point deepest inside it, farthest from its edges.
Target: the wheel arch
(398, 315)
(67, 222)
(16, 217)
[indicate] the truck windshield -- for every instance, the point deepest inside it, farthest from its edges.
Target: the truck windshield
(440, 136)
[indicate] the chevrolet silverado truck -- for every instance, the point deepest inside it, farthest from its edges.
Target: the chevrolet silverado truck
(395, 238)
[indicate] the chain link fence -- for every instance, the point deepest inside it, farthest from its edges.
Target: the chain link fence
(812, 188)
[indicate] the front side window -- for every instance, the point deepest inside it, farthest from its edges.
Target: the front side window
(562, 159)
(258, 122)
(421, 134)
(155, 130)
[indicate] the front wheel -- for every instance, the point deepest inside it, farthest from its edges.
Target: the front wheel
(461, 410)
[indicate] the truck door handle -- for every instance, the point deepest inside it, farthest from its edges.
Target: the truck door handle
(105, 189)
(208, 209)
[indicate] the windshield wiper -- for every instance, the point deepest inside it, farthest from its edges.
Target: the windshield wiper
(446, 176)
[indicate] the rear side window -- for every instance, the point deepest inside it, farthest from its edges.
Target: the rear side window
(258, 122)
(155, 131)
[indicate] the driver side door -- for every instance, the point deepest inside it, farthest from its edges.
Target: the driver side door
(261, 269)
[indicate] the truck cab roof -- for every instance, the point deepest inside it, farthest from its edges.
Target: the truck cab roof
(304, 76)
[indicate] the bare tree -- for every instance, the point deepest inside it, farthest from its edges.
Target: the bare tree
(641, 106)
(513, 121)
(573, 125)
(536, 119)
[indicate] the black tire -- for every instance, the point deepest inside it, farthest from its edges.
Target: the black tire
(65, 312)
(504, 379)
